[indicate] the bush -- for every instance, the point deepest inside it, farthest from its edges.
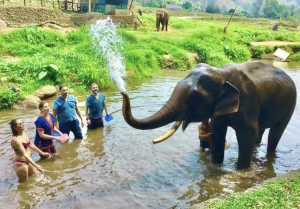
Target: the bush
(258, 51)
(8, 98)
(294, 57)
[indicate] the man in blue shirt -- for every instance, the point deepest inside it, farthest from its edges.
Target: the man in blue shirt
(66, 110)
(94, 108)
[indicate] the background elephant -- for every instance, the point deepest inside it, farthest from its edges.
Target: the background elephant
(162, 17)
(248, 97)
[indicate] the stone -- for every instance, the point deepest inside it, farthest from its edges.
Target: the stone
(2, 24)
(3, 79)
(30, 101)
(45, 92)
(53, 26)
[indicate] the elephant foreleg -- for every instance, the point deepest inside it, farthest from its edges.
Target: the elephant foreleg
(217, 142)
(247, 135)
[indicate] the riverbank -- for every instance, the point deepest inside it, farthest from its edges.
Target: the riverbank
(27, 52)
(279, 192)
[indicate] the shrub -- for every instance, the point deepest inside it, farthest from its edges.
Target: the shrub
(8, 98)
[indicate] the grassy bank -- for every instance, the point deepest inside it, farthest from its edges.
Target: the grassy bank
(282, 192)
(32, 51)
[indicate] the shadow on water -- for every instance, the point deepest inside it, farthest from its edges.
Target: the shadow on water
(119, 167)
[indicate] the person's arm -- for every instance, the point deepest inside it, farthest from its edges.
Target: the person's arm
(87, 115)
(19, 146)
(42, 134)
(105, 108)
(34, 148)
(79, 114)
(205, 136)
(57, 130)
(55, 116)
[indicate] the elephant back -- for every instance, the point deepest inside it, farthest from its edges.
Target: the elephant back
(163, 12)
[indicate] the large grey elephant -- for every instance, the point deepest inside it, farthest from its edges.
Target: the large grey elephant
(249, 97)
(162, 17)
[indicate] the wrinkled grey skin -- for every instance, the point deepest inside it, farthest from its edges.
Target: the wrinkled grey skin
(162, 17)
(249, 97)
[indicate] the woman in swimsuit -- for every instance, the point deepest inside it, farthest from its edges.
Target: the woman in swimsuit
(45, 129)
(23, 165)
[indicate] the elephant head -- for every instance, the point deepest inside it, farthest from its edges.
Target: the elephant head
(203, 94)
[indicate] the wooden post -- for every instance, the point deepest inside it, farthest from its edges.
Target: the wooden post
(53, 4)
(24, 3)
(66, 5)
(225, 28)
(130, 5)
(90, 4)
(41, 3)
(72, 5)
(58, 4)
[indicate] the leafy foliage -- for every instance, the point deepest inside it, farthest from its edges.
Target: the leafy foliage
(8, 98)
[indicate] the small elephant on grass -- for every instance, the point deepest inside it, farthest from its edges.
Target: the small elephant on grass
(162, 17)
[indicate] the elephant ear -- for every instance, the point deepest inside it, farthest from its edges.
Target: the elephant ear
(228, 101)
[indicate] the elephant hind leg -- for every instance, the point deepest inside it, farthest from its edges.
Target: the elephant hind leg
(167, 25)
(261, 133)
(276, 132)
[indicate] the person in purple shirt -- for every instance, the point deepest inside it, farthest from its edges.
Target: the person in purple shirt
(66, 110)
(95, 103)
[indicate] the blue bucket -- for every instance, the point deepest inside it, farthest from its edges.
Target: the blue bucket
(109, 118)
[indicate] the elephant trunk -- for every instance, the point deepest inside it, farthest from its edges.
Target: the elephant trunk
(167, 114)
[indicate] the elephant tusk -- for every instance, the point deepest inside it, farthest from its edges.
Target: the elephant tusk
(168, 134)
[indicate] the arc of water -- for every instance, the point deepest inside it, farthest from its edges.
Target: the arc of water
(106, 41)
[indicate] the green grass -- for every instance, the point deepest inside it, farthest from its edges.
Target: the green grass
(279, 193)
(146, 51)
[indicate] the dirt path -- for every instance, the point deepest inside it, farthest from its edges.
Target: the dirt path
(273, 43)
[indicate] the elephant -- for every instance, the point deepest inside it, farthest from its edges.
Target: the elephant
(162, 17)
(249, 97)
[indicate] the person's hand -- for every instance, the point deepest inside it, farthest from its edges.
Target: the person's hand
(40, 168)
(46, 155)
(88, 122)
(57, 138)
(107, 113)
(82, 124)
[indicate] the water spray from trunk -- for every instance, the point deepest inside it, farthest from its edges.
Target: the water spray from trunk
(106, 41)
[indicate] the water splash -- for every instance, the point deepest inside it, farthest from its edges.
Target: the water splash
(106, 41)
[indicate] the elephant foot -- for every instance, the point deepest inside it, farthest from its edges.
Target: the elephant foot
(218, 160)
(242, 165)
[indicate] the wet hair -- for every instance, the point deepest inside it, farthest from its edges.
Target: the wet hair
(61, 86)
(93, 84)
(13, 125)
(41, 104)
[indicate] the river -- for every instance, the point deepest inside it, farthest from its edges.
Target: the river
(119, 167)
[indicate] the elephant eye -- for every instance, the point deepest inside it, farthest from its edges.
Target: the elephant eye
(195, 98)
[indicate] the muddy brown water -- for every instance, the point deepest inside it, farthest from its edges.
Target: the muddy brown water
(119, 167)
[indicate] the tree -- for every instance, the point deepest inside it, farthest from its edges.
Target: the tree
(187, 5)
(210, 8)
(231, 11)
(271, 9)
(257, 7)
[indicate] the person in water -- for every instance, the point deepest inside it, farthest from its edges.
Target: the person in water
(94, 105)
(23, 164)
(45, 130)
(65, 108)
(205, 135)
